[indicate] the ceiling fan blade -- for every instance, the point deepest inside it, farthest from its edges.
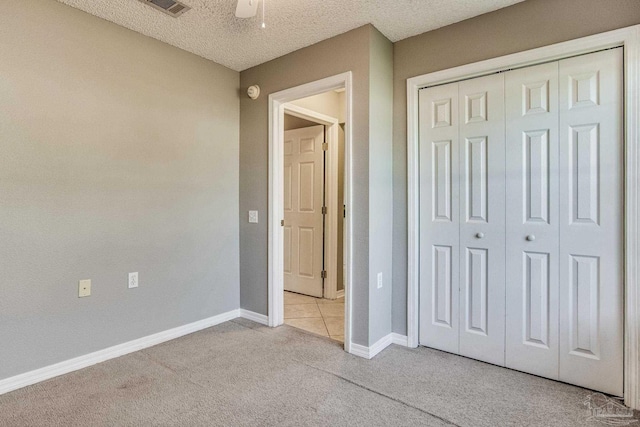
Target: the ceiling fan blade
(247, 8)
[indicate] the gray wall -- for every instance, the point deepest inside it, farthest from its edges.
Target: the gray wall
(524, 26)
(380, 185)
(118, 153)
(346, 52)
(110, 165)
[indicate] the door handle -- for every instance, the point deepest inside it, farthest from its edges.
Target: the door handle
(531, 237)
(479, 235)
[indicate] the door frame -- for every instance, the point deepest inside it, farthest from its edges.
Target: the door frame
(330, 289)
(629, 39)
(275, 260)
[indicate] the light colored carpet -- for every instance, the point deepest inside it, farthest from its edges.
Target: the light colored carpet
(243, 374)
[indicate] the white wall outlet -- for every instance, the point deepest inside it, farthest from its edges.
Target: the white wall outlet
(253, 217)
(379, 280)
(84, 288)
(133, 280)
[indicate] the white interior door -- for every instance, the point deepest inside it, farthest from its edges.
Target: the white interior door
(482, 218)
(303, 202)
(531, 97)
(528, 232)
(591, 225)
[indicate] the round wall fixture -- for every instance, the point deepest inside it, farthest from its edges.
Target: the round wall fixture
(253, 91)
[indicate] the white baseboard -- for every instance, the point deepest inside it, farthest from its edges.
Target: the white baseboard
(398, 339)
(48, 372)
(360, 350)
(253, 316)
(371, 352)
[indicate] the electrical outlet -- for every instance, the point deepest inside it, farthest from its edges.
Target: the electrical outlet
(253, 217)
(133, 280)
(84, 288)
(379, 280)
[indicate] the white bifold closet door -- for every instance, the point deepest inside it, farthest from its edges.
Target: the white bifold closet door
(592, 221)
(462, 263)
(532, 236)
(482, 218)
(439, 218)
(521, 219)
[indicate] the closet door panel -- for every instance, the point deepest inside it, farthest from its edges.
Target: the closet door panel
(532, 233)
(591, 221)
(482, 218)
(439, 217)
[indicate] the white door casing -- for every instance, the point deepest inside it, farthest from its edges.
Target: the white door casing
(531, 100)
(303, 219)
(278, 104)
(564, 222)
(591, 221)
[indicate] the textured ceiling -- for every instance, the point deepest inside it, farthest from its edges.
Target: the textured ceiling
(212, 31)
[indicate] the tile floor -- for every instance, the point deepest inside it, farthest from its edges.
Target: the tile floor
(316, 315)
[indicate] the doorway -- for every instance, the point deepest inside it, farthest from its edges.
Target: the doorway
(313, 214)
(298, 223)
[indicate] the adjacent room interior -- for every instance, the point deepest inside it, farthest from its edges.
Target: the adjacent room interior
(275, 212)
(313, 228)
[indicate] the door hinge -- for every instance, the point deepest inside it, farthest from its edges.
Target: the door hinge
(324, 210)
(344, 211)
(325, 146)
(323, 274)
(282, 222)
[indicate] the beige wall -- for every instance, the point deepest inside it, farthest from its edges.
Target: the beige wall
(527, 25)
(118, 153)
(292, 122)
(347, 52)
(327, 103)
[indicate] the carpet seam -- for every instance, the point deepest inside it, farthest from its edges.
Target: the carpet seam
(380, 394)
(170, 369)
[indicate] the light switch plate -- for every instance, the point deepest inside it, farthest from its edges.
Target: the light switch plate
(84, 288)
(133, 280)
(253, 217)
